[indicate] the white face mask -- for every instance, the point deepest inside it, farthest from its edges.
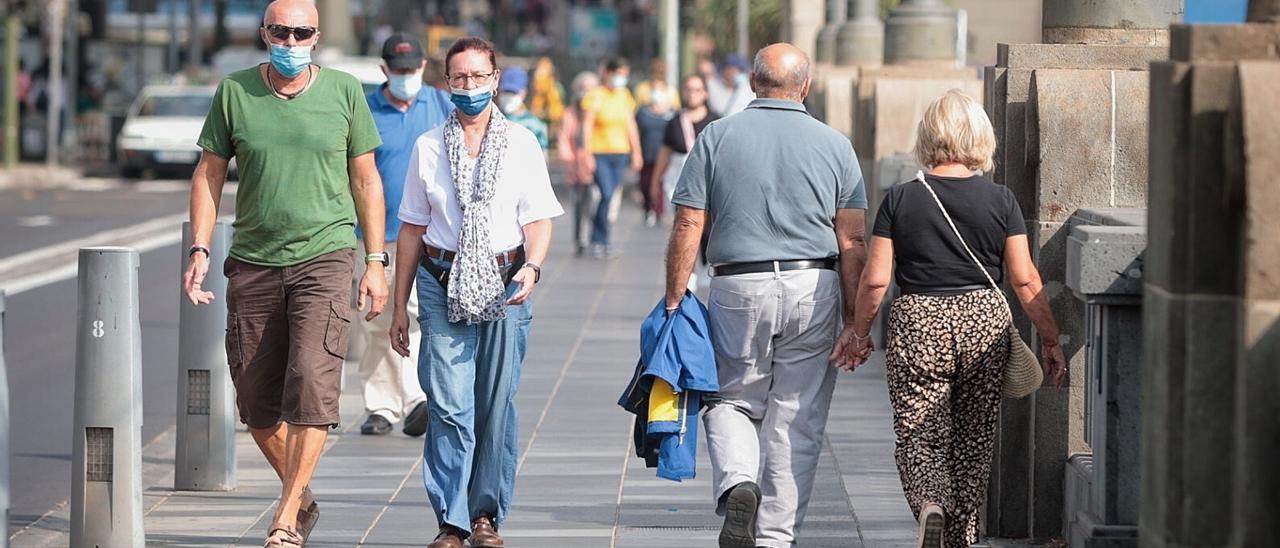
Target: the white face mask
(658, 97)
(405, 86)
(510, 102)
(619, 81)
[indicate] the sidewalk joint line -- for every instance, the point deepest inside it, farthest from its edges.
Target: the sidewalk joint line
(835, 461)
(390, 500)
(622, 484)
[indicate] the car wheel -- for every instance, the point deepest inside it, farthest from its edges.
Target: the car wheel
(129, 172)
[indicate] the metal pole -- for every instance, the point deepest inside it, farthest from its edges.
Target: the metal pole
(193, 35)
(70, 136)
(172, 63)
(12, 27)
(57, 9)
(744, 18)
(671, 40)
(4, 431)
(206, 446)
(142, 37)
(106, 487)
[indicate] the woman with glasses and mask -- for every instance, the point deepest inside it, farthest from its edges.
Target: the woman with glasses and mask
(573, 153)
(613, 145)
(477, 214)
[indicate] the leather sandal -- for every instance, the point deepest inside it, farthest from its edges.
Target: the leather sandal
(283, 537)
(307, 519)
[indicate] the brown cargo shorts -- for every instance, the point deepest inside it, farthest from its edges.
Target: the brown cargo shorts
(287, 336)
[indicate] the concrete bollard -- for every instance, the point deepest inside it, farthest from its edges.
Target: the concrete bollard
(206, 446)
(4, 433)
(106, 487)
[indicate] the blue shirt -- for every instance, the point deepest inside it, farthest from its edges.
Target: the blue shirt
(399, 131)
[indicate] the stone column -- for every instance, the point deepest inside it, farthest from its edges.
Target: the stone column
(860, 40)
(920, 32)
(801, 21)
(1071, 126)
(1212, 323)
(336, 25)
(826, 47)
(1129, 22)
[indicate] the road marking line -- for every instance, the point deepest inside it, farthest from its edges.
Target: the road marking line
(69, 271)
(45, 253)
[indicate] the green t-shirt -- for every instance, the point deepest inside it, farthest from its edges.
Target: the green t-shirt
(294, 202)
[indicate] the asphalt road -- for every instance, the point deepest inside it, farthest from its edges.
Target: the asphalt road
(39, 331)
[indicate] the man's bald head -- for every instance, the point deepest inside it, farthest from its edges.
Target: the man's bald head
(781, 71)
(292, 13)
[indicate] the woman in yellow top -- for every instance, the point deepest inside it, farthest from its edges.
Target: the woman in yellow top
(612, 142)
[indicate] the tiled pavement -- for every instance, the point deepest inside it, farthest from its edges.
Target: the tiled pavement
(577, 483)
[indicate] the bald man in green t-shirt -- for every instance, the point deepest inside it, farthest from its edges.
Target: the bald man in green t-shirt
(303, 140)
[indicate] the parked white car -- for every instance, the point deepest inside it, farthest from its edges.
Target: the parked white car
(161, 129)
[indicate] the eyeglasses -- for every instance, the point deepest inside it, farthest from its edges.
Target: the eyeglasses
(281, 32)
(459, 80)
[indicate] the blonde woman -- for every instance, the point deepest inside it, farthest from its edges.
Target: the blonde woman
(948, 333)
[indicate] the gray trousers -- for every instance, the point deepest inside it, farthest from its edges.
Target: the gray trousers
(772, 333)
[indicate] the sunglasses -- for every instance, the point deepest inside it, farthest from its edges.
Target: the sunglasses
(281, 32)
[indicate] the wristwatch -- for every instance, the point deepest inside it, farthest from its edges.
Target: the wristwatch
(537, 271)
(199, 248)
(381, 257)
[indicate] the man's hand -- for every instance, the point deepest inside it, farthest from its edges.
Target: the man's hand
(400, 332)
(526, 277)
(373, 290)
(197, 269)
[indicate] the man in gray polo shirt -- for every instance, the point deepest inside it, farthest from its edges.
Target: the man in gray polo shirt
(781, 198)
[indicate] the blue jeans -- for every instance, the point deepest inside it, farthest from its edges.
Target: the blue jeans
(470, 374)
(610, 169)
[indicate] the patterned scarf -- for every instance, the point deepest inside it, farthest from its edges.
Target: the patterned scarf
(476, 293)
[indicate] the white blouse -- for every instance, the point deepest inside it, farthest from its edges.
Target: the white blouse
(524, 193)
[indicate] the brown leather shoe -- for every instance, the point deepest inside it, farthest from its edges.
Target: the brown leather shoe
(484, 534)
(449, 537)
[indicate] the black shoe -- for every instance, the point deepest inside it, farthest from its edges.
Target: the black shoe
(741, 504)
(376, 425)
(415, 423)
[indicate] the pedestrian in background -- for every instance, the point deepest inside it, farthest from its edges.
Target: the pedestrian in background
(781, 198)
(477, 212)
(511, 93)
(948, 338)
(657, 81)
(403, 109)
(678, 136)
(303, 140)
(613, 145)
(730, 92)
(547, 100)
(651, 122)
(573, 153)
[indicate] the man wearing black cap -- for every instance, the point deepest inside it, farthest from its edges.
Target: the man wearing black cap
(402, 109)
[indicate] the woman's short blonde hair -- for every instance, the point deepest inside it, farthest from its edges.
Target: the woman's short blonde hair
(955, 129)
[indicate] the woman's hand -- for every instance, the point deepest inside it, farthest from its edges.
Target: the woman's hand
(589, 162)
(400, 332)
(637, 161)
(1053, 360)
(851, 350)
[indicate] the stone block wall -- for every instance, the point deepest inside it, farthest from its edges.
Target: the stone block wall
(1212, 321)
(1071, 129)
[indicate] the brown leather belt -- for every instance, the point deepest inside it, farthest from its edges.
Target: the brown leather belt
(506, 258)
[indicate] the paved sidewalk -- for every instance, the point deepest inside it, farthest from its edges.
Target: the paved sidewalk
(577, 481)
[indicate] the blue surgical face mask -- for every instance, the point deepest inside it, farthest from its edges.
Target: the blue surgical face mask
(290, 61)
(741, 79)
(471, 101)
(404, 86)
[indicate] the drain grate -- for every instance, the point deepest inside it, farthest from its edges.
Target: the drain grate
(197, 391)
(99, 457)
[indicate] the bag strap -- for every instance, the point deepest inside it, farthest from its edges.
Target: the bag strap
(920, 177)
(686, 127)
